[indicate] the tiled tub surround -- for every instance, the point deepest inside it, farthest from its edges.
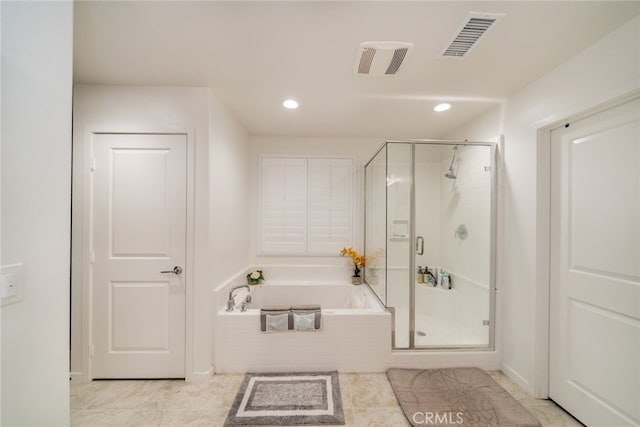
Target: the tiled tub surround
(351, 340)
(355, 335)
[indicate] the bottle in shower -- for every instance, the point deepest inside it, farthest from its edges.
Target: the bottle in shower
(420, 275)
(428, 276)
(445, 282)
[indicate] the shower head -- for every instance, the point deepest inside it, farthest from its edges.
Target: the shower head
(451, 174)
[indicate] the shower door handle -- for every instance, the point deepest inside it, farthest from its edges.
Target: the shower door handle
(419, 245)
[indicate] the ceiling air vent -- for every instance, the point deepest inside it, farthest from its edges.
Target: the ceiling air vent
(381, 58)
(472, 29)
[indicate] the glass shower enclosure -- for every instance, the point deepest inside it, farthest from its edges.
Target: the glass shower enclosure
(430, 241)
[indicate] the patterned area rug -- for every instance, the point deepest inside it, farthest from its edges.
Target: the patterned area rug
(287, 399)
(466, 396)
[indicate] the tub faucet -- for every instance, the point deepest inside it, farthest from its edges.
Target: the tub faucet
(231, 301)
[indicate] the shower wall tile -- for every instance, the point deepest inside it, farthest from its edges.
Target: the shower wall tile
(467, 200)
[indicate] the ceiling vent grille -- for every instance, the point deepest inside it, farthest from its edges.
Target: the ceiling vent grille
(471, 30)
(366, 59)
(381, 58)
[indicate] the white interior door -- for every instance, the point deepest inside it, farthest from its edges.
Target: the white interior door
(138, 239)
(595, 267)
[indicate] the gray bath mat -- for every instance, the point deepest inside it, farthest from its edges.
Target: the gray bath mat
(466, 396)
(287, 399)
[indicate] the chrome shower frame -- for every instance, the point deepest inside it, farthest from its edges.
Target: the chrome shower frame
(412, 233)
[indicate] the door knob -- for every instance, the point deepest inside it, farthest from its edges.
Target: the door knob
(176, 270)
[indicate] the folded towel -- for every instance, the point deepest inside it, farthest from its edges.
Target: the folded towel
(304, 317)
(277, 322)
(276, 308)
(309, 307)
(266, 316)
(304, 321)
(281, 318)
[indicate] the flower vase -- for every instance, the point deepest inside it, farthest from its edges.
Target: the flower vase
(356, 280)
(255, 277)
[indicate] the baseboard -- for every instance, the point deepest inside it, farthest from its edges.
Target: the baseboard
(200, 377)
(516, 377)
(77, 378)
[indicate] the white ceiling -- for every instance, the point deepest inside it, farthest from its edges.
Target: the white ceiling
(256, 54)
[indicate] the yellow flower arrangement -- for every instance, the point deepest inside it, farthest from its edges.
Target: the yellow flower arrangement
(358, 260)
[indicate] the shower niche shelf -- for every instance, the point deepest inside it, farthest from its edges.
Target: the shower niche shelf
(399, 230)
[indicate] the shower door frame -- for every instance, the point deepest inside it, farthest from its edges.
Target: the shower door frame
(412, 238)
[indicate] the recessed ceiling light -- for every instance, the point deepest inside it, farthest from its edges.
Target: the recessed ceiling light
(442, 107)
(291, 104)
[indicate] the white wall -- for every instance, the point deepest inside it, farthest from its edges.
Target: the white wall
(486, 127)
(230, 165)
(229, 207)
(37, 40)
(361, 149)
(221, 194)
(122, 108)
(608, 69)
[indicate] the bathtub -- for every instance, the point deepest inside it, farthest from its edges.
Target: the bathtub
(355, 335)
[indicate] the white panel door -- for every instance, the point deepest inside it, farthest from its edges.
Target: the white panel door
(138, 238)
(595, 268)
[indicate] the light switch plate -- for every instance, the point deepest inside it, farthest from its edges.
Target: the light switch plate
(11, 283)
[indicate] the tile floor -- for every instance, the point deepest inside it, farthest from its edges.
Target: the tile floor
(368, 400)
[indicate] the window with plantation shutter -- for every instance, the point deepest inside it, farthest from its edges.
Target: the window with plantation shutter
(330, 213)
(306, 205)
(284, 205)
